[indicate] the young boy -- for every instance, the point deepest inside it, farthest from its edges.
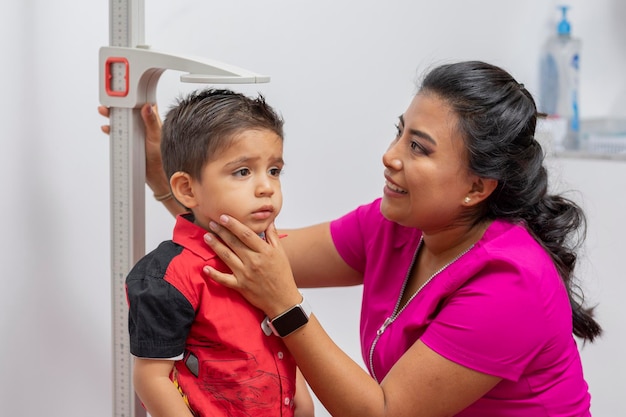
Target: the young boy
(223, 153)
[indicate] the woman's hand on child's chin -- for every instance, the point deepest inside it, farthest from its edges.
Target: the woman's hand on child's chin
(260, 268)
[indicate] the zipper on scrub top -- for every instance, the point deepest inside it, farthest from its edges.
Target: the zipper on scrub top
(397, 312)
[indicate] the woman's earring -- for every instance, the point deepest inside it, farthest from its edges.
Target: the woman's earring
(467, 200)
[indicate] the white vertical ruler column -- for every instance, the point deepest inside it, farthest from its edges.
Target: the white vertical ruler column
(127, 185)
(129, 73)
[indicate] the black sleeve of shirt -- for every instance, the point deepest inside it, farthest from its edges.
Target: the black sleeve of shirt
(159, 316)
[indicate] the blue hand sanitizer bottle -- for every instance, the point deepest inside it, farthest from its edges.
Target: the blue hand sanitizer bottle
(559, 80)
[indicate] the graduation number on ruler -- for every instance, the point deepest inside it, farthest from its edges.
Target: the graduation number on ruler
(129, 72)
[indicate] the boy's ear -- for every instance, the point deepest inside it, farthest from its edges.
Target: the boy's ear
(181, 182)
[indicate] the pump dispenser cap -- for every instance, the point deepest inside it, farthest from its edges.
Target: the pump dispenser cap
(563, 27)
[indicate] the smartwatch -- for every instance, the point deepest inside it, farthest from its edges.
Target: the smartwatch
(289, 321)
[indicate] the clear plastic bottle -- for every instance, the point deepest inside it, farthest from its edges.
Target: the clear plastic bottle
(559, 80)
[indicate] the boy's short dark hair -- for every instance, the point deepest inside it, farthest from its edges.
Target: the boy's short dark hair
(203, 122)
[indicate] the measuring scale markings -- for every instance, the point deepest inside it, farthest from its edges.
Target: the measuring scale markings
(127, 205)
(127, 237)
(120, 217)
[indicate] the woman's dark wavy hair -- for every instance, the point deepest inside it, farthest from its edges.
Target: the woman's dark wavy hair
(497, 117)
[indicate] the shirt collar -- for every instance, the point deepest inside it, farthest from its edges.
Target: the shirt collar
(191, 236)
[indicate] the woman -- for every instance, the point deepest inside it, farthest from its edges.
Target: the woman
(466, 264)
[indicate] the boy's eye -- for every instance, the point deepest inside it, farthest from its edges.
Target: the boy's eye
(275, 171)
(242, 172)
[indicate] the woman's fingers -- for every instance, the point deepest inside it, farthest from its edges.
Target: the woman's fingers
(228, 280)
(260, 268)
(151, 119)
(237, 236)
(271, 235)
(104, 111)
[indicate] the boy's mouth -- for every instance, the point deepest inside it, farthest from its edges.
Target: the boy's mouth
(263, 213)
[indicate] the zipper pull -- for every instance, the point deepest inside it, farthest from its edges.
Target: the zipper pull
(387, 322)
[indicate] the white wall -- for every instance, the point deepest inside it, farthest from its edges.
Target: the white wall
(342, 71)
(602, 268)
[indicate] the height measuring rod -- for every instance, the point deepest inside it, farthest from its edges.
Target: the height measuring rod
(129, 73)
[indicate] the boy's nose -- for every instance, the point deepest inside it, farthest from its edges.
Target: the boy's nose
(265, 186)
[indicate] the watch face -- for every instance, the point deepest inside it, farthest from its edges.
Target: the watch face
(290, 321)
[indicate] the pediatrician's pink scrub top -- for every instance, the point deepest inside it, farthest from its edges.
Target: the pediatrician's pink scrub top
(501, 309)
